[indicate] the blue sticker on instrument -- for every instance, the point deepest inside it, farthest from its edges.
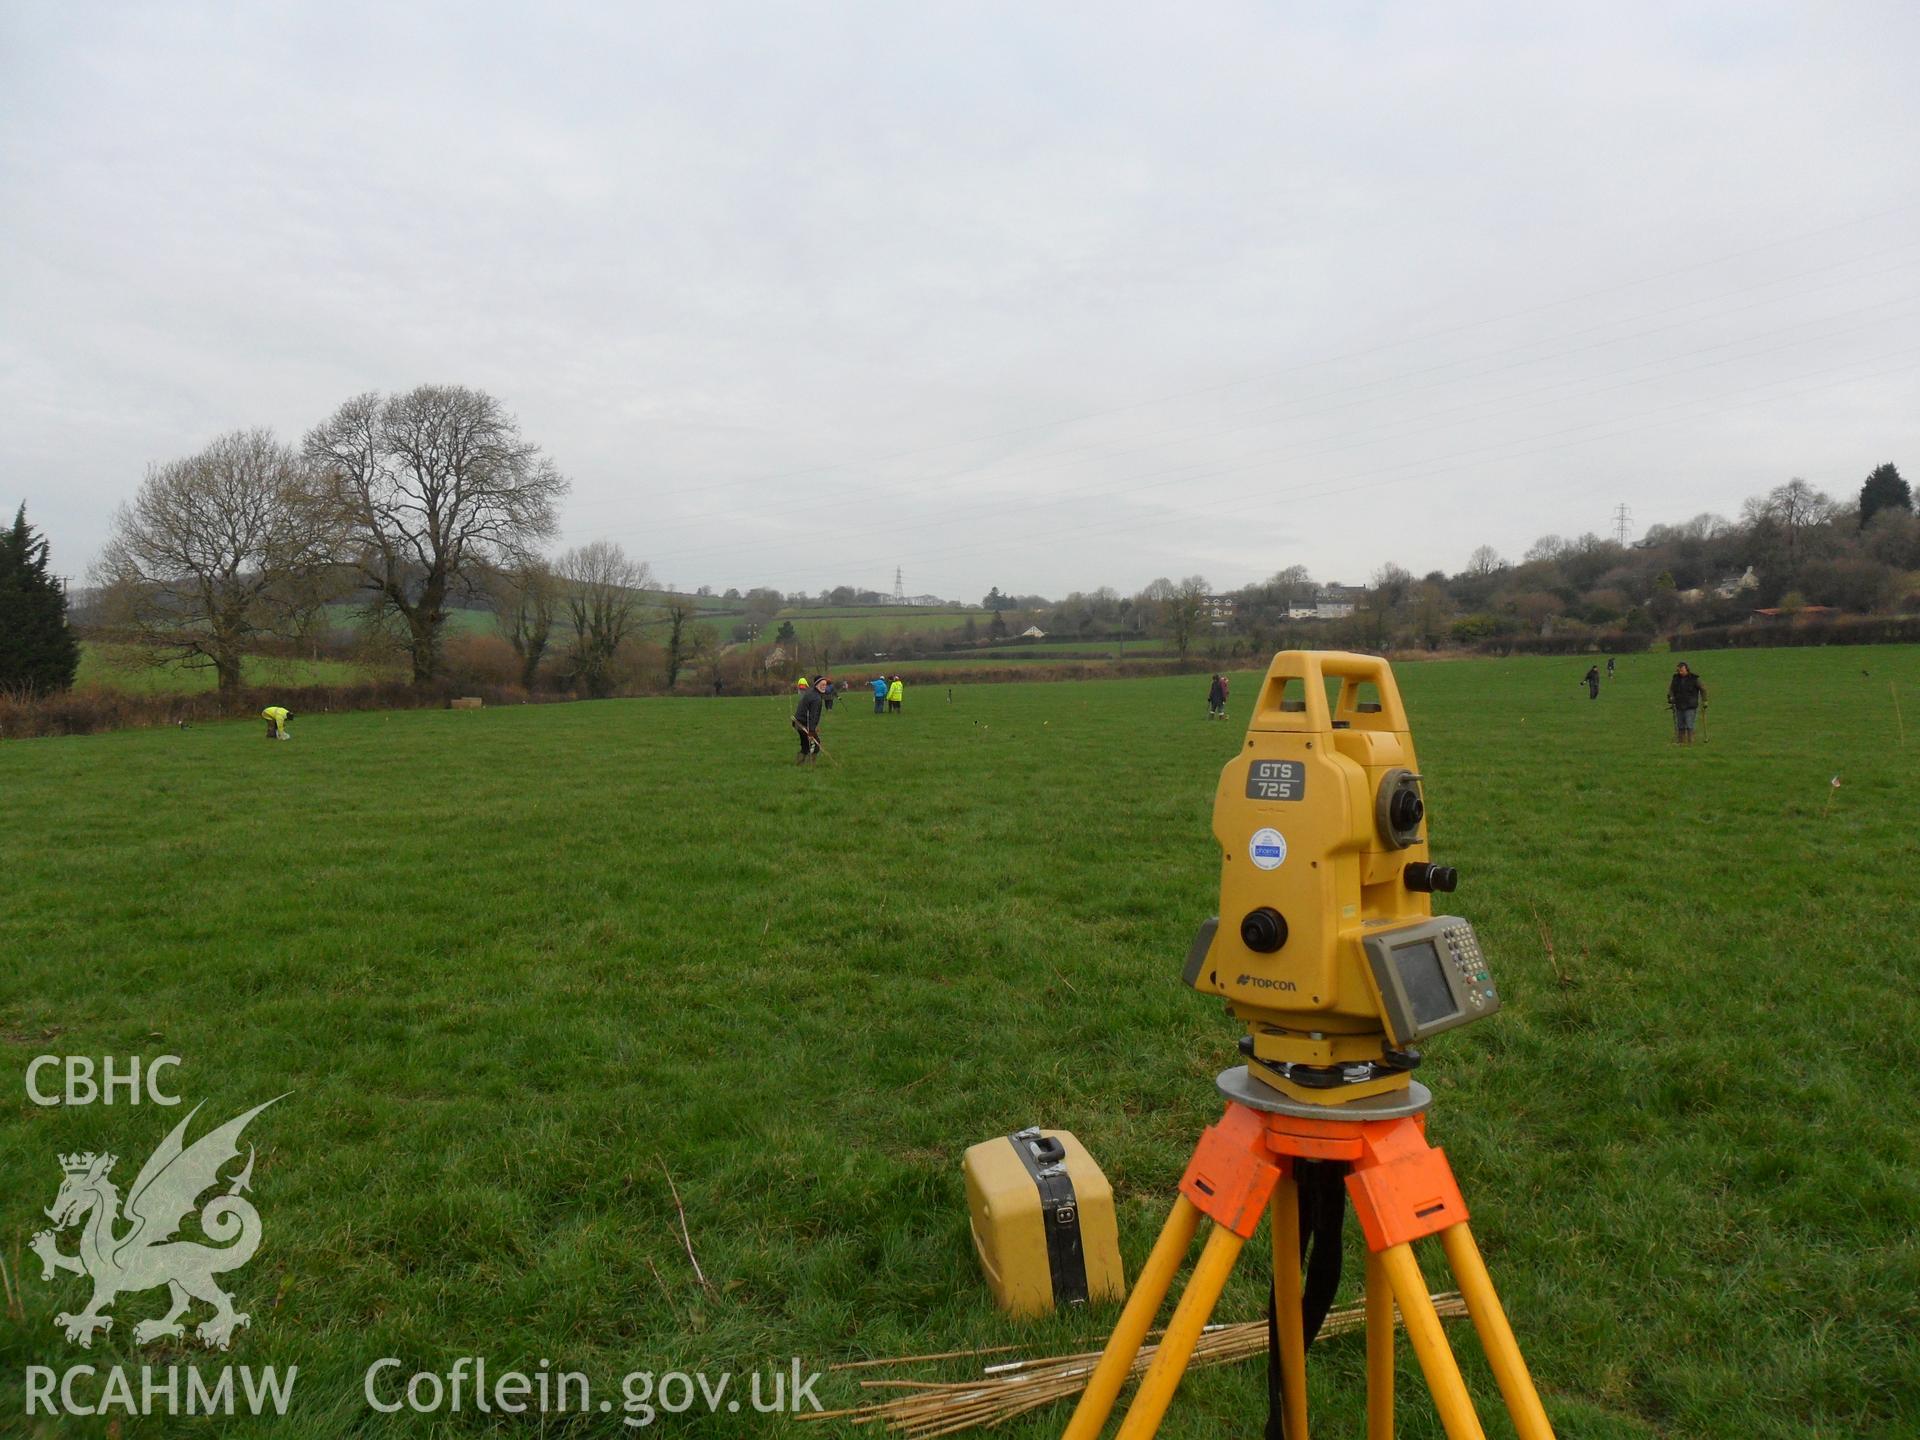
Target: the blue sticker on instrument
(1267, 849)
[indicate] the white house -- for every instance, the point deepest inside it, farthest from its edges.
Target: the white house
(1336, 603)
(1736, 584)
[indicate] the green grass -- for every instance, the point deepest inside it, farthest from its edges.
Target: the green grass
(122, 667)
(809, 623)
(1091, 656)
(812, 625)
(516, 965)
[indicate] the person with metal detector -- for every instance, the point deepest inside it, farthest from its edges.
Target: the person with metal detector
(1686, 697)
(1592, 681)
(1326, 949)
(806, 719)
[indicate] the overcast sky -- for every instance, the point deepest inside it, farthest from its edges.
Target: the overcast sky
(1041, 296)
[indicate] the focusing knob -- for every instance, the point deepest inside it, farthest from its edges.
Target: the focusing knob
(1264, 930)
(1427, 879)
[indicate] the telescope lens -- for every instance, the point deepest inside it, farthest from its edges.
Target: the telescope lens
(1398, 808)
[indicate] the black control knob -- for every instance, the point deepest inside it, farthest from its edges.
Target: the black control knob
(1264, 930)
(1428, 879)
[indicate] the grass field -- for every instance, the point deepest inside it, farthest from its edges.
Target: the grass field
(809, 623)
(516, 966)
(121, 667)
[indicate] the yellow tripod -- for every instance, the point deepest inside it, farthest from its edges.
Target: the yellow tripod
(1402, 1189)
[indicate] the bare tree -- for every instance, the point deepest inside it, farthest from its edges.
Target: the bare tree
(1393, 583)
(1790, 511)
(1893, 538)
(602, 591)
(522, 596)
(1485, 562)
(1547, 547)
(1184, 611)
(217, 551)
(1431, 607)
(680, 612)
(1295, 583)
(704, 651)
(431, 487)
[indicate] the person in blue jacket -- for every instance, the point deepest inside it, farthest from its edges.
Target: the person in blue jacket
(879, 694)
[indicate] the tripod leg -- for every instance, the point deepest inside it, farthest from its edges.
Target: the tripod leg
(1379, 1351)
(1190, 1317)
(1286, 1292)
(1449, 1391)
(1149, 1290)
(1496, 1335)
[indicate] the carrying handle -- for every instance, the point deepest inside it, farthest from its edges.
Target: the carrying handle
(1046, 1149)
(1307, 711)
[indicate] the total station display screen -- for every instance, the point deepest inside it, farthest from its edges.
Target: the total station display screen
(1424, 978)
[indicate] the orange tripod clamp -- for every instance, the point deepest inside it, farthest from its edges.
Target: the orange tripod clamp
(1402, 1188)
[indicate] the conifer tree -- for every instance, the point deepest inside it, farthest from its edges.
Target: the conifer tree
(1884, 490)
(38, 652)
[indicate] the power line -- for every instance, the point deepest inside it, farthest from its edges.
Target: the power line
(1364, 480)
(1323, 362)
(816, 505)
(1190, 473)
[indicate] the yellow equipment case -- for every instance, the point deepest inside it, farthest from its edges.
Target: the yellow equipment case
(1043, 1222)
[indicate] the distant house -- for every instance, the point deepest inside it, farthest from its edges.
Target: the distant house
(1337, 602)
(1033, 632)
(1736, 584)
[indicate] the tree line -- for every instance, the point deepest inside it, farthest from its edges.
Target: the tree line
(1792, 547)
(421, 504)
(413, 504)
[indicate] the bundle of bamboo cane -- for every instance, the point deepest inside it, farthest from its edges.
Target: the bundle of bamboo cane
(930, 1408)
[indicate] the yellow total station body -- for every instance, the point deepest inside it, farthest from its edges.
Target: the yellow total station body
(1326, 945)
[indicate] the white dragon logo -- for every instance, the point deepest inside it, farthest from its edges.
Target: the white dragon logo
(166, 1190)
